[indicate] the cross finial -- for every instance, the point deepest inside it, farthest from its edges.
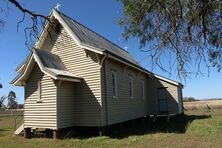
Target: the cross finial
(57, 6)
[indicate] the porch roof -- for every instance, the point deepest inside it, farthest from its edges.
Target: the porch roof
(50, 64)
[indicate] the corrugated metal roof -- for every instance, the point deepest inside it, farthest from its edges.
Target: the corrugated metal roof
(50, 60)
(52, 63)
(89, 37)
(86, 36)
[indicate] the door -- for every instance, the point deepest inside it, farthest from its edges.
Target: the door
(162, 100)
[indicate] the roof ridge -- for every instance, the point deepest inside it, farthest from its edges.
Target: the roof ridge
(93, 31)
(134, 62)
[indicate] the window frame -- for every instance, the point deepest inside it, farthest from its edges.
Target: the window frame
(142, 86)
(39, 90)
(58, 28)
(114, 87)
(131, 93)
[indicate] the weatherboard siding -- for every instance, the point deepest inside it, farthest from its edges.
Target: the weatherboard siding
(90, 103)
(66, 105)
(172, 97)
(40, 115)
(83, 63)
(123, 107)
(173, 102)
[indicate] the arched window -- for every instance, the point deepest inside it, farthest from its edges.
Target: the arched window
(130, 86)
(39, 91)
(114, 84)
(142, 89)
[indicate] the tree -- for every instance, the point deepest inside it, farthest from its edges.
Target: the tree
(189, 99)
(20, 106)
(2, 100)
(12, 103)
(37, 20)
(188, 32)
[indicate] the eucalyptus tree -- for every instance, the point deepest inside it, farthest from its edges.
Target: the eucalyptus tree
(188, 32)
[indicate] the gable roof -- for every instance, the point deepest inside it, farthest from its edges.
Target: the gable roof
(91, 40)
(50, 64)
(89, 37)
(50, 60)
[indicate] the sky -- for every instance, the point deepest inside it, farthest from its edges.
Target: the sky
(102, 17)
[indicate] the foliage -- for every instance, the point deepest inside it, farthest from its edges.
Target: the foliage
(12, 103)
(189, 99)
(2, 100)
(187, 32)
(20, 106)
(37, 21)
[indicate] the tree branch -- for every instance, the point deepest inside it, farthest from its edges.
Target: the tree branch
(26, 10)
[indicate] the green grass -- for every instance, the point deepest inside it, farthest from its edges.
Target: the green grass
(196, 129)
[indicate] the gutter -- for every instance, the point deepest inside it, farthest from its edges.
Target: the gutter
(105, 99)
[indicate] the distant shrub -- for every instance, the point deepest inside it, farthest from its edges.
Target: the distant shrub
(189, 99)
(20, 106)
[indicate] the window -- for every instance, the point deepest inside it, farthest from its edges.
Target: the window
(57, 28)
(163, 100)
(39, 92)
(142, 88)
(114, 84)
(131, 86)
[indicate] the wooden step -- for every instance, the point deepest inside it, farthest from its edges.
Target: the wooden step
(19, 130)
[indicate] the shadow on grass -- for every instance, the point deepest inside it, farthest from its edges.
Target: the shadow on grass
(176, 124)
(1, 132)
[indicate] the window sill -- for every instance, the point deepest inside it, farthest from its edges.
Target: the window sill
(115, 97)
(39, 101)
(131, 97)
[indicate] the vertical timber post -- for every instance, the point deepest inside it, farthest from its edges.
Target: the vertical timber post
(27, 133)
(133, 122)
(56, 134)
(143, 120)
(47, 133)
(121, 125)
(102, 131)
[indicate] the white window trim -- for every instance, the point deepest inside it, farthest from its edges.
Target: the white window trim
(115, 81)
(142, 88)
(131, 79)
(39, 90)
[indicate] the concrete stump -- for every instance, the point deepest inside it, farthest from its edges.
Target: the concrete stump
(27, 133)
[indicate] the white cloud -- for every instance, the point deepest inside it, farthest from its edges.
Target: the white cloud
(126, 48)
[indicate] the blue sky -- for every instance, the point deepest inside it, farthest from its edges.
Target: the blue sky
(99, 15)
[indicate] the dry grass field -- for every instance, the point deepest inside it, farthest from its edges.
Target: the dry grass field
(212, 104)
(196, 129)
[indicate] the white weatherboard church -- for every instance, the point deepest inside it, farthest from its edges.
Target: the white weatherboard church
(74, 77)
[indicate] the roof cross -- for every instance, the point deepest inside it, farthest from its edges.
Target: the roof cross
(57, 6)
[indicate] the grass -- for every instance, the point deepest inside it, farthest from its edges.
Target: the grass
(199, 128)
(203, 104)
